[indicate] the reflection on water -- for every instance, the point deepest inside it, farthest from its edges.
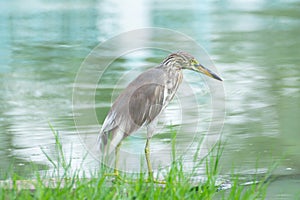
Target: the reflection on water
(255, 46)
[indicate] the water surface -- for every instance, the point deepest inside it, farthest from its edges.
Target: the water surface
(255, 46)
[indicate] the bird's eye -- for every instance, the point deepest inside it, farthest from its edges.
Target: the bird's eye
(194, 62)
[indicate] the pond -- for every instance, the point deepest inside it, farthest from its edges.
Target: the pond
(254, 46)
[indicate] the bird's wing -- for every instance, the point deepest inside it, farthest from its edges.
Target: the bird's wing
(139, 104)
(146, 103)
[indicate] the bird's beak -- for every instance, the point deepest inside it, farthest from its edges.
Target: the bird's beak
(207, 72)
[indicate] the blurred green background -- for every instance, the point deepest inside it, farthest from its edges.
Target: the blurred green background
(255, 45)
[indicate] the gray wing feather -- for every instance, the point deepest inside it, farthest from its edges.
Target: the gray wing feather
(139, 104)
(146, 104)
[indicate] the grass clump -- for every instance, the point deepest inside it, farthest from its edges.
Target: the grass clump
(67, 184)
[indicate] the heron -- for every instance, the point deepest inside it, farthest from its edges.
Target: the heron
(143, 100)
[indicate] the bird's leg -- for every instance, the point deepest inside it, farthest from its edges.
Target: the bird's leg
(147, 153)
(150, 171)
(116, 171)
(150, 130)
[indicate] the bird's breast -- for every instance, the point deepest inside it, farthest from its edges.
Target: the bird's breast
(173, 80)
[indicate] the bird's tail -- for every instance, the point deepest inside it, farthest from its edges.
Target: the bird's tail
(102, 140)
(109, 140)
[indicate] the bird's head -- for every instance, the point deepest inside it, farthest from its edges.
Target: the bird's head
(184, 60)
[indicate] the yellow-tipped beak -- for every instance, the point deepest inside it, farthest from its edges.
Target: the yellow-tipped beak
(207, 72)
